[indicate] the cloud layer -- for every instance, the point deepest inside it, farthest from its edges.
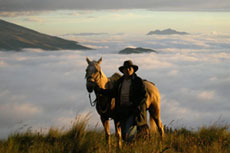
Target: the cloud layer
(43, 89)
(178, 5)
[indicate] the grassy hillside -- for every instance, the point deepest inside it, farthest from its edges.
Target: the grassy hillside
(213, 139)
(15, 37)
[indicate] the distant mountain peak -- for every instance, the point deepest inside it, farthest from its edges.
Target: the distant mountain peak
(138, 50)
(168, 31)
(15, 37)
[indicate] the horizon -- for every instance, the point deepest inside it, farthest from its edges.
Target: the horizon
(129, 21)
(56, 17)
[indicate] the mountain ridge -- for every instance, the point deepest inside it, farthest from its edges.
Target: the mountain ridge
(137, 50)
(168, 31)
(16, 37)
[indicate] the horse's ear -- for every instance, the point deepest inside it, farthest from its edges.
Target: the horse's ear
(99, 61)
(88, 60)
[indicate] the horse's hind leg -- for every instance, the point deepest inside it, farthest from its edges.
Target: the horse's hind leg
(118, 134)
(155, 115)
(153, 128)
(160, 126)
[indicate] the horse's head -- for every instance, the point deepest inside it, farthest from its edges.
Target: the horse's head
(93, 74)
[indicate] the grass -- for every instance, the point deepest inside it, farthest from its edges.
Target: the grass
(212, 139)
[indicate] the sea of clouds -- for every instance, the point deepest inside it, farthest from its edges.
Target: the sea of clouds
(43, 89)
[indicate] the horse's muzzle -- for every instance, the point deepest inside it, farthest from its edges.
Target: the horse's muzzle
(90, 86)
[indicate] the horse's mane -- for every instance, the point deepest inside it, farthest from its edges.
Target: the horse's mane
(113, 79)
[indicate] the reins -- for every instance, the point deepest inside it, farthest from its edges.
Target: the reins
(92, 103)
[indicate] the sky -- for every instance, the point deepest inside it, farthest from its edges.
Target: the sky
(42, 89)
(28, 5)
(57, 17)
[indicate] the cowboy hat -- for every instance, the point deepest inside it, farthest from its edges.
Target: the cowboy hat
(128, 64)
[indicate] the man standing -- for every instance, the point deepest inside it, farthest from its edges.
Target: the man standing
(130, 95)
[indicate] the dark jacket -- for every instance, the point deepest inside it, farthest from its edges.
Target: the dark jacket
(137, 97)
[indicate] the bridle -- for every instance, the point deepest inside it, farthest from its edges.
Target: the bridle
(93, 103)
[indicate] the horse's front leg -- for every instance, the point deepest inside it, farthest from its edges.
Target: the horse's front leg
(118, 133)
(105, 122)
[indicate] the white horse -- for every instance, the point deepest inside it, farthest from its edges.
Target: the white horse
(106, 106)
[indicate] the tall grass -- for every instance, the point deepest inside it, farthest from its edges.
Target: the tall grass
(212, 139)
